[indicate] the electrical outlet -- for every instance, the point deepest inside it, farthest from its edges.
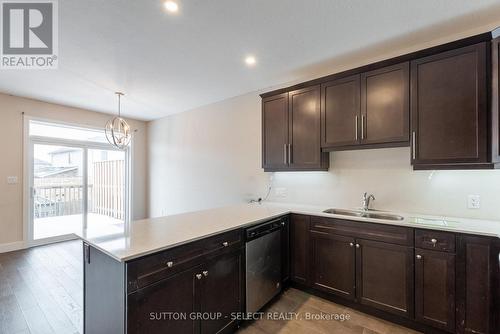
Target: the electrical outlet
(280, 192)
(473, 202)
(12, 180)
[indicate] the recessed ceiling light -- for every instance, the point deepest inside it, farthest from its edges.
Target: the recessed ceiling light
(250, 60)
(171, 6)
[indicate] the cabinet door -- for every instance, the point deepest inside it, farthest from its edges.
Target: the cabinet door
(449, 107)
(164, 307)
(285, 252)
(385, 105)
(221, 293)
(275, 132)
(305, 131)
(299, 246)
(385, 276)
(435, 289)
(476, 267)
(495, 99)
(340, 112)
(333, 259)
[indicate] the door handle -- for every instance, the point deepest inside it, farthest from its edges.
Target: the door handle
(362, 127)
(414, 144)
(356, 127)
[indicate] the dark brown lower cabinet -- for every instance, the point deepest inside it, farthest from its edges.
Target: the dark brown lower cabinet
(299, 248)
(157, 308)
(435, 289)
(384, 276)
(477, 270)
(333, 264)
(198, 300)
(221, 293)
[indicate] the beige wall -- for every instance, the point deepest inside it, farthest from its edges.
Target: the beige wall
(211, 156)
(11, 153)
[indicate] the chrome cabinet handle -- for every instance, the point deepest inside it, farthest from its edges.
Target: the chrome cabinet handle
(419, 257)
(434, 242)
(356, 126)
(198, 276)
(414, 144)
(170, 264)
(362, 127)
(285, 159)
(289, 154)
(225, 244)
(205, 273)
(351, 244)
(357, 246)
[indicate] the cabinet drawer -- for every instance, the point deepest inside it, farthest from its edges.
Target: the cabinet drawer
(435, 240)
(370, 231)
(152, 268)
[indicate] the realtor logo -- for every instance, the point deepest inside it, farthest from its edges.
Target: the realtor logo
(29, 34)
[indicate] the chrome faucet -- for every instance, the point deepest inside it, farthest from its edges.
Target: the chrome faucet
(367, 200)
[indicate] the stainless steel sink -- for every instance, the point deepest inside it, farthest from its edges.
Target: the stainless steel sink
(364, 214)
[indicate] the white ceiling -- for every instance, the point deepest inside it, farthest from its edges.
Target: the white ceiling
(171, 63)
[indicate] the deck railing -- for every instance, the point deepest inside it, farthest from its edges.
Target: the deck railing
(64, 196)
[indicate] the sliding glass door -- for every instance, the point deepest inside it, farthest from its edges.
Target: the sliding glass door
(76, 181)
(58, 193)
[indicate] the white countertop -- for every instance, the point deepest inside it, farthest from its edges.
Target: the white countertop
(148, 236)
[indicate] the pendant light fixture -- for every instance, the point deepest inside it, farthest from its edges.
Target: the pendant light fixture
(117, 130)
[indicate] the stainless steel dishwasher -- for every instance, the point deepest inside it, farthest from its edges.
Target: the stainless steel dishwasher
(263, 263)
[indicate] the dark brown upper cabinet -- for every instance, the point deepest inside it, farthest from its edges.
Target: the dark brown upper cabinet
(495, 100)
(291, 132)
(275, 132)
(449, 109)
(385, 106)
(340, 112)
(367, 111)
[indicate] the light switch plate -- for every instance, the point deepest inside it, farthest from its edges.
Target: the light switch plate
(12, 180)
(473, 202)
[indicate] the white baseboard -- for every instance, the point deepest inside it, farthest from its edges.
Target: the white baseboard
(13, 246)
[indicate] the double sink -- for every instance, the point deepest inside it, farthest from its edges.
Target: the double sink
(365, 214)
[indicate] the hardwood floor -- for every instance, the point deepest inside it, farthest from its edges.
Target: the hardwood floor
(41, 291)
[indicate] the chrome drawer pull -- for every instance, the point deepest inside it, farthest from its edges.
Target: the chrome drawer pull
(351, 244)
(434, 242)
(198, 276)
(170, 264)
(205, 273)
(357, 246)
(419, 257)
(225, 244)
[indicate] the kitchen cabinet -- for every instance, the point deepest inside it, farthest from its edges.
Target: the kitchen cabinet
(435, 288)
(377, 273)
(285, 252)
(299, 243)
(367, 110)
(340, 112)
(449, 109)
(210, 288)
(495, 99)
(275, 132)
(333, 264)
(385, 106)
(176, 295)
(291, 132)
(477, 280)
(384, 276)
(221, 292)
